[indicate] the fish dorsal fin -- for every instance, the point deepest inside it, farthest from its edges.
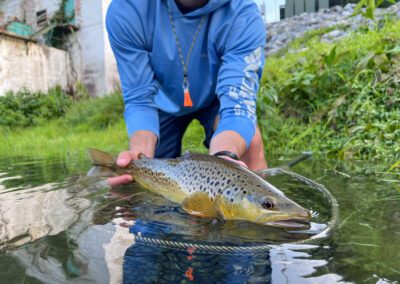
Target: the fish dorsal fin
(200, 204)
(142, 156)
(100, 158)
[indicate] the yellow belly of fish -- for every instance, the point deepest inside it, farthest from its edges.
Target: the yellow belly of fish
(170, 191)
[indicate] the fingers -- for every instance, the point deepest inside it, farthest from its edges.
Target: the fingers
(120, 180)
(124, 159)
(243, 164)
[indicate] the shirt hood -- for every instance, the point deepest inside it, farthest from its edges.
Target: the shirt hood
(211, 6)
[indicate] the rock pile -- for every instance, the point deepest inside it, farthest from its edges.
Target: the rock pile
(280, 34)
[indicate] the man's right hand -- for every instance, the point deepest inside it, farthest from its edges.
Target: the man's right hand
(141, 142)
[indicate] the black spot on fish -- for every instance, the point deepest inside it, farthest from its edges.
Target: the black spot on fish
(208, 179)
(231, 200)
(228, 192)
(236, 189)
(244, 191)
(216, 183)
(228, 181)
(220, 190)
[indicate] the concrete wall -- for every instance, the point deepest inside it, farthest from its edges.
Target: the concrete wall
(111, 71)
(26, 65)
(92, 54)
(89, 55)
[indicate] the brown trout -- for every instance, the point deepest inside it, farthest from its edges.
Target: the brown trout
(209, 186)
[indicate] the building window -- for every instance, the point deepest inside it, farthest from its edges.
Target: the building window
(41, 18)
(282, 12)
(335, 2)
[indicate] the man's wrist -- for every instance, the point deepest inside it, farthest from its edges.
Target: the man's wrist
(227, 154)
(144, 142)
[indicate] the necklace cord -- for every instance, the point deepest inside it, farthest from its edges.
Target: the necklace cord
(184, 64)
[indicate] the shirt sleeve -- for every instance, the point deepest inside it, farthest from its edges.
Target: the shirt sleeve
(239, 74)
(128, 42)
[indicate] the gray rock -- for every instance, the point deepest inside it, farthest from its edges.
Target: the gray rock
(280, 34)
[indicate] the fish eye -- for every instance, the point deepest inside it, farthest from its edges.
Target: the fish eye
(267, 204)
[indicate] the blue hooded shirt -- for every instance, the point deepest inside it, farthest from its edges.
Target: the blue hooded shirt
(226, 61)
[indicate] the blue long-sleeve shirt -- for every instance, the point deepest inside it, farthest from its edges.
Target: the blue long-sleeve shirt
(226, 60)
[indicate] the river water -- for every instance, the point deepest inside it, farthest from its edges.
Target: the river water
(58, 226)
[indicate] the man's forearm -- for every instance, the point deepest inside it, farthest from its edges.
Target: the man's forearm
(228, 141)
(144, 142)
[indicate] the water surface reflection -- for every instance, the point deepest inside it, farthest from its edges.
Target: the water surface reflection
(57, 227)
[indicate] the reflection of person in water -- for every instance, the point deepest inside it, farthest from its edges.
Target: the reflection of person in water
(150, 264)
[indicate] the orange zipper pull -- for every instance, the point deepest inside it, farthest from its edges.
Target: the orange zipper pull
(187, 100)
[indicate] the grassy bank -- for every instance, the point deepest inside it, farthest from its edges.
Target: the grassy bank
(339, 100)
(89, 123)
(96, 123)
(342, 99)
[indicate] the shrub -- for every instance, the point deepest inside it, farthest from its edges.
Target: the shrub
(25, 109)
(342, 99)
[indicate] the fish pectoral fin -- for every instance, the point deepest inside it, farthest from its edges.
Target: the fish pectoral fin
(223, 207)
(200, 204)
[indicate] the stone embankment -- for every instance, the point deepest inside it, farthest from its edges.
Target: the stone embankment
(280, 34)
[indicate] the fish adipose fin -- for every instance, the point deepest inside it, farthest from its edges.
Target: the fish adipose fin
(200, 204)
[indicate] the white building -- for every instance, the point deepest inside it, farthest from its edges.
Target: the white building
(271, 9)
(45, 43)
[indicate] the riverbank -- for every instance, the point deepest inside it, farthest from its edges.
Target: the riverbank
(340, 100)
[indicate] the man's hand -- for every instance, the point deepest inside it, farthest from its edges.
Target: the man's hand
(142, 142)
(243, 164)
(229, 141)
(253, 158)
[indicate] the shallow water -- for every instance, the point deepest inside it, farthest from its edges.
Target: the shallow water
(57, 226)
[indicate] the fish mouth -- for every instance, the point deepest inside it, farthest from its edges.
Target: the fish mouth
(299, 221)
(292, 223)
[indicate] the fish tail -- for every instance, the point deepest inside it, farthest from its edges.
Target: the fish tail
(103, 164)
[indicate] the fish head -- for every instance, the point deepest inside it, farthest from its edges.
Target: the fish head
(275, 209)
(264, 204)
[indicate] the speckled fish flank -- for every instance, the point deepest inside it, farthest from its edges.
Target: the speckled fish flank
(209, 186)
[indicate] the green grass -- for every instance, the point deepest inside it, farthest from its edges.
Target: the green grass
(94, 123)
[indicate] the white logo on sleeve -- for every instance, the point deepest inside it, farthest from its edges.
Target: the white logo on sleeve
(246, 93)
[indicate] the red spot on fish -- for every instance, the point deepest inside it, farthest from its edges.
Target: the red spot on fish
(189, 274)
(190, 257)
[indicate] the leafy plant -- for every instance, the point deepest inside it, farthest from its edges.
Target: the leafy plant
(367, 7)
(25, 109)
(339, 99)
